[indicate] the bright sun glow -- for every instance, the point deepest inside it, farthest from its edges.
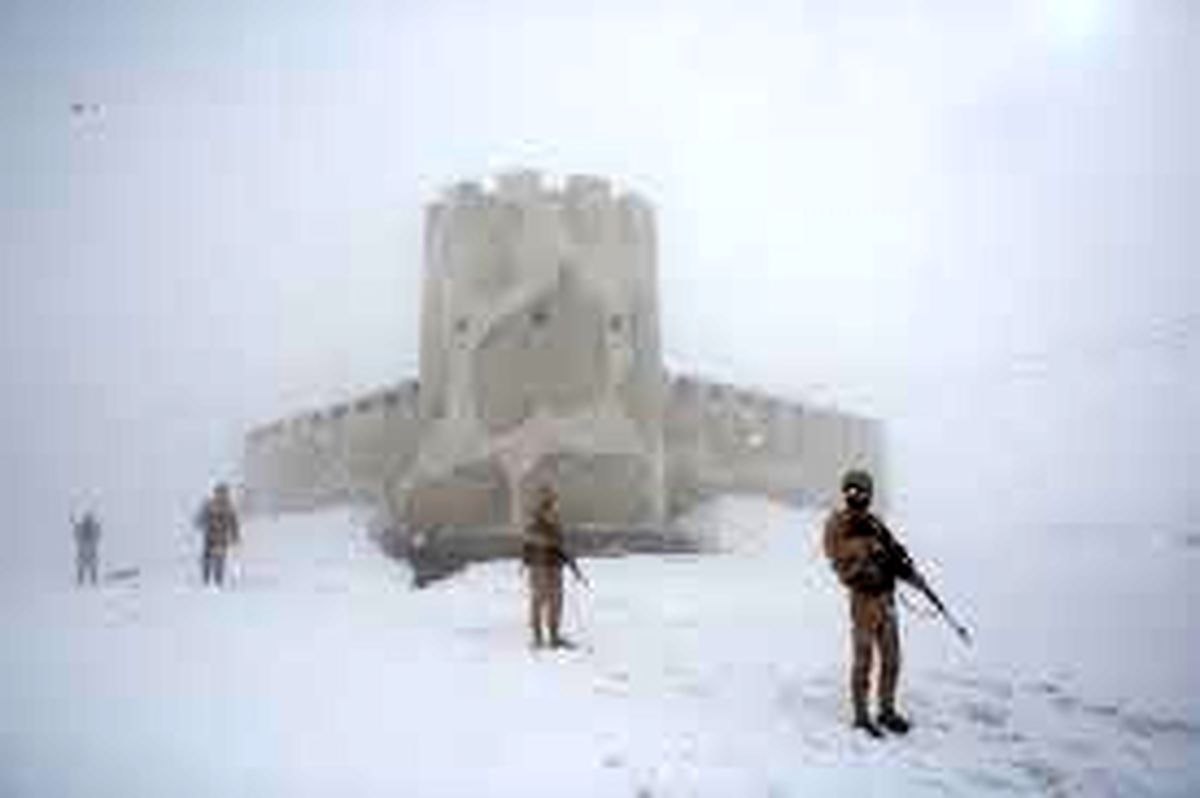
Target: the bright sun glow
(1073, 21)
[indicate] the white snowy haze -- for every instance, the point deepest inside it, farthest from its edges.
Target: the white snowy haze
(976, 221)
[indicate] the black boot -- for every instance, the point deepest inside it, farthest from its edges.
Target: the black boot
(894, 722)
(867, 726)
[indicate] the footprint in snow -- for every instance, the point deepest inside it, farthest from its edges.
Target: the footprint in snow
(1043, 687)
(1102, 710)
(1049, 779)
(612, 761)
(987, 780)
(1079, 748)
(996, 688)
(981, 713)
(1064, 703)
(1151, 727)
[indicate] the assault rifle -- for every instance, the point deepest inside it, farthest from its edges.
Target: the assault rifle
(573, 564)
(920, 584)
(562, 554)
(902, 565)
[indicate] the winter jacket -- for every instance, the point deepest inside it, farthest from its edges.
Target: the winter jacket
(543, 540)
(863, 552)
(219, 523)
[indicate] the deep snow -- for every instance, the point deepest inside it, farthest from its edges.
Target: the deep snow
(321, 672)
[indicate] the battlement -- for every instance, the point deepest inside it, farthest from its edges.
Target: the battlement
(586, 189)
(528, 186)
(401, 398)
(466, 192)
(691, 389)
(519, 186)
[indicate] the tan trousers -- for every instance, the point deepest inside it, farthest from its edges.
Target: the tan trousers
(545, 601)
(874, 625)
(86, 566)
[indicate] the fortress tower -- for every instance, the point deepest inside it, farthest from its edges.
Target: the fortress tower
(540, 355)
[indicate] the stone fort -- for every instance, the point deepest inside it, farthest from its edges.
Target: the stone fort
(541, 360)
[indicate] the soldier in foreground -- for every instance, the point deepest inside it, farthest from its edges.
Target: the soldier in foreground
(543, 555)
(219, 524)
(87, 548)
(868, 561)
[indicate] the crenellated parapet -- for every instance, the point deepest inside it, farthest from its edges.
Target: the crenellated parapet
(483, 239)
(722, 437)
(334, 453)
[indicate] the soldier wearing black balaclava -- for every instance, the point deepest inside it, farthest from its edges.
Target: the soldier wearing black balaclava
(869, 560)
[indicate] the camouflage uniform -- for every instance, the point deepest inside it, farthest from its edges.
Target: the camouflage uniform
(87, 545)
(219, 523)
(544, 556)
(868, 560)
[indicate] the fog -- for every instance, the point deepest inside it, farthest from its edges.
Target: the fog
(975, 221)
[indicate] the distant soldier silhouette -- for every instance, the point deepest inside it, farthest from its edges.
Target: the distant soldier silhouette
(87, 548)
(219, 523)
(544, 557)
(868, 561)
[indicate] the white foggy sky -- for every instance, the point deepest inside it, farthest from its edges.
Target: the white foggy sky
(892, 201)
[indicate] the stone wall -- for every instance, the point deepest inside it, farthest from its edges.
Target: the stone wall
(717, 438)
(333, 454)
(722, 438)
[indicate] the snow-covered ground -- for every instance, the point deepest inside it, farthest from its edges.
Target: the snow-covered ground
(322, 672)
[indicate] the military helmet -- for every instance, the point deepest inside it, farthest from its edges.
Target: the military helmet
(858, 478)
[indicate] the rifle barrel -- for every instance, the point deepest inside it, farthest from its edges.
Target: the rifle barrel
(960, 630)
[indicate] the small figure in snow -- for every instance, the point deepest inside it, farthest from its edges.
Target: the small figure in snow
(868, 560)
(87, 548)
(543, 555)
(218, 522)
